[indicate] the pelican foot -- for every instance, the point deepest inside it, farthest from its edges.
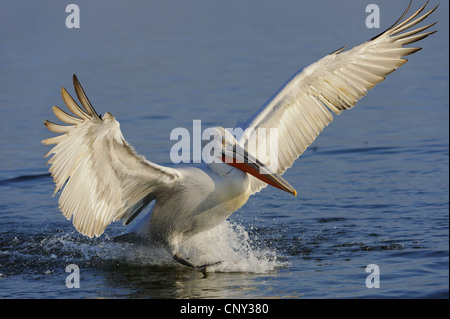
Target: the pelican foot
(178, 257)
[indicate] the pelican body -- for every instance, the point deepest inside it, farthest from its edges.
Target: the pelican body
(101, 178)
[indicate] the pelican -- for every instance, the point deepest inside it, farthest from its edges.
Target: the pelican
(102, 179)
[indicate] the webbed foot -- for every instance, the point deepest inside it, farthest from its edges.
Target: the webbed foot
(178, 257)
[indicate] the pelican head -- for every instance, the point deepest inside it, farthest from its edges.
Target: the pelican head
(224, 148)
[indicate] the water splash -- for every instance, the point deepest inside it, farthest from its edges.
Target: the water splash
(48, 253)
(230, 243)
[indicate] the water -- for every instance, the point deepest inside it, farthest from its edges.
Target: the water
(373, 188)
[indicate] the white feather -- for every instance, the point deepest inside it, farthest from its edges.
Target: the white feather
(301, 109)
(104, 179)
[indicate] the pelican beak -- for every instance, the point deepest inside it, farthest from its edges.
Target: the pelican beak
(246, 162)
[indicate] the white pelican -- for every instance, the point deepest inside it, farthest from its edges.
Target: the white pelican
(103, 179)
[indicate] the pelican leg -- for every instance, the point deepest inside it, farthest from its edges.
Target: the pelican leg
(178, 257)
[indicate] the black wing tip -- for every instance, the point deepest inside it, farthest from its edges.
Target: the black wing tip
(395, 23)
(75, 80)
(339, 50)
(83, 98)
(398, 20)
(403, 15)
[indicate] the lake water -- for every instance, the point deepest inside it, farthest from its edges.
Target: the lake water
(373, 188)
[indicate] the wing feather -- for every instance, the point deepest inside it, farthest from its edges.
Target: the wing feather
(101, 176)
(66, 118)
(301, 109)
(83, 98)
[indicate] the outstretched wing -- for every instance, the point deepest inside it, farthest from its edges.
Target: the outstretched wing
(102, 177)
(302, 107)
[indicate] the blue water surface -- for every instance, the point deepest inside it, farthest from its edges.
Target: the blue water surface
(373, 188)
